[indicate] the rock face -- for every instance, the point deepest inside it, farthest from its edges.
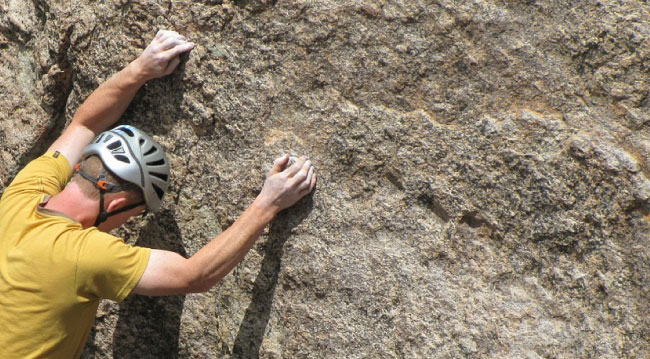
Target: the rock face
(484, 170)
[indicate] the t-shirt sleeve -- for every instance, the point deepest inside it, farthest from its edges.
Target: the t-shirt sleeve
(47, 174)
(109, 268)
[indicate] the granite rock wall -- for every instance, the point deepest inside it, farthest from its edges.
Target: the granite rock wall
(483, 167)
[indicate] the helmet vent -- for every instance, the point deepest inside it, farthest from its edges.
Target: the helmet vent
(122, 158)
(153, 149)
(159, 175)
(135, 157)
(160, 162)
(127, 131)
(159, 191)
(115, 145)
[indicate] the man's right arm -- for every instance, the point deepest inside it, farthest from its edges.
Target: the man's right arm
(170, 273)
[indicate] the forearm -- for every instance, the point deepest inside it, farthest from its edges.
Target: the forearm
(170, 273)
(216, 259)
(109, 101)
(106, 104)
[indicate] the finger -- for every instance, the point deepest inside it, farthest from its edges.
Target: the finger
(310, 174)
(278, 164)
(172, 65)
(298, 178)
(303, 174)
(162, 35)
(293, 169)
(310, 187)
(307, 181)
(177, 50)
(171, 42)
(306, 166)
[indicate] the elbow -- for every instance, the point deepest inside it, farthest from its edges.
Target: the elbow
(198, 287)
(195, 284)
(198, 282)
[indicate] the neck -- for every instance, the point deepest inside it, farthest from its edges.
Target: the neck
(75, 204)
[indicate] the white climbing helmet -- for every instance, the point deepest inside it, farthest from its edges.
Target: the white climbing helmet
(135, 157)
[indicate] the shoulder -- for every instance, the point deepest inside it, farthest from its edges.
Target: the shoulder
(47, 174)
(98, 246)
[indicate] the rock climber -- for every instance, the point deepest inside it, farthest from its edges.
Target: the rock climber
(56, 258)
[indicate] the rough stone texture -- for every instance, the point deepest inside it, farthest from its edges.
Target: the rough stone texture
(484, 169)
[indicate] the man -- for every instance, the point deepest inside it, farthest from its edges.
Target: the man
(56, 259)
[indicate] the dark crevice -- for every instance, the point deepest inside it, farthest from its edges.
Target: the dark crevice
(434, 207)
(42, 9)
(15, 34)
(557, 242)
(395, 180)
(472, 220)
(642, 207)
(482, 226)
(255, 6)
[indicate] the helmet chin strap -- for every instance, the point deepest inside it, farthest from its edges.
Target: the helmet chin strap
(103, 215)
(104, 186)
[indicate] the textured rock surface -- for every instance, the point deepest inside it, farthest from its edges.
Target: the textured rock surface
(484, 169)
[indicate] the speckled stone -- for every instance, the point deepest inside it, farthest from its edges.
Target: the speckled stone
(483, 168)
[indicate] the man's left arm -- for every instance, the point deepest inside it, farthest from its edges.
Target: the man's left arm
(109, 101)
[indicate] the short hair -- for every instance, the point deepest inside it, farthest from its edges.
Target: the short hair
(93, 166)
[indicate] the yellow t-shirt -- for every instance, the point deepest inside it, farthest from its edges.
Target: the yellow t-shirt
(52, 271)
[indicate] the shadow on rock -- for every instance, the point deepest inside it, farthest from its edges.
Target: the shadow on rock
(252, 329)
(148, 327)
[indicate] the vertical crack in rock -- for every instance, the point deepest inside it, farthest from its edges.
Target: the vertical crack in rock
(57, 87)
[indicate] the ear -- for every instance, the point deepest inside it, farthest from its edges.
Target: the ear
(115, 202)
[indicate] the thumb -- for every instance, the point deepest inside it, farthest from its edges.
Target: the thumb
(278, 164)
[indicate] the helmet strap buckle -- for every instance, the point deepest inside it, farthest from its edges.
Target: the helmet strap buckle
(104, 185)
